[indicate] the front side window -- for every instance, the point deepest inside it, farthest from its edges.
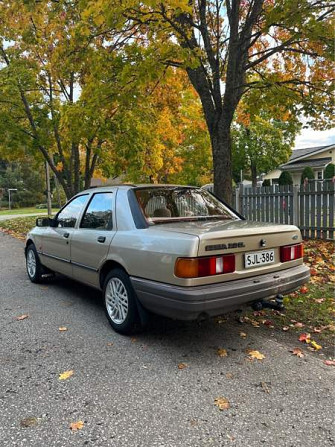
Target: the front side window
(67, 218)
(180, 203)
(98, 215)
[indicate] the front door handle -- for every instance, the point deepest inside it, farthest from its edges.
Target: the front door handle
(101, 239)
(66, 235)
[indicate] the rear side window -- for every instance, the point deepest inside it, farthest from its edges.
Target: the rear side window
(67, 218)
(98, 215)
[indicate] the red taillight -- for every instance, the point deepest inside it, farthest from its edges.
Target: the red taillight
(291, 252)
(198, 267)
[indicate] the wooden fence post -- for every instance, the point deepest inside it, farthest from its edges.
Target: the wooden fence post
(237, 200)
(296, 211)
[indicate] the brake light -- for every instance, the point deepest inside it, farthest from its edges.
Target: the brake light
(291, 252)
(208, 266)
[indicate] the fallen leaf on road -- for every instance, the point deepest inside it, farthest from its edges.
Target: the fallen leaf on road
(66, 375)
(256, 355)
(265, 387)
(329, 362)
(29, 422)
(222, 403)
(298, 324)
(305, 337)
(229, 376)
(319, 300)
(22, 317)
(222, 352)
(133, 339)
(254, 323)
(62, 329)
(285, 328)
(74, 426)
(243, 335)
(268, 323)
(298, 352)
(303, 289)
(315, 345)
(110, 344)
(182, 366)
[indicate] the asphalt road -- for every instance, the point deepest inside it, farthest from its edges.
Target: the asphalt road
(129, 392)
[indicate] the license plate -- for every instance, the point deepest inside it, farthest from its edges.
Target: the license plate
(259, 258)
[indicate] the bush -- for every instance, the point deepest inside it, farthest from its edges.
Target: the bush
(329, 171)
(285, 178)
(307, 173)
(266, 182)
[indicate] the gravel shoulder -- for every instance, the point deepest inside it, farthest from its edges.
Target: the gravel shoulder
(130, 391)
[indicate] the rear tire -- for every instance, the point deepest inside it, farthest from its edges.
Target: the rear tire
(33, 264)
(121, 303)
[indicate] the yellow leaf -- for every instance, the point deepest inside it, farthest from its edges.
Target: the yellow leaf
(243, 335)
(62, 329)
(74, 426)
(256, 355)
(222, 352)
(222, 403)
(315, 345)
(66, 375)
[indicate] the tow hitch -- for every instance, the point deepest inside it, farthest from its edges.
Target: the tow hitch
(277, 305)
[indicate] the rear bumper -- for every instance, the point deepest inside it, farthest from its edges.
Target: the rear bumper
(188, 303)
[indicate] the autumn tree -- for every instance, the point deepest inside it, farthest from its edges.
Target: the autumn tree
(228, 47)
(61, 88)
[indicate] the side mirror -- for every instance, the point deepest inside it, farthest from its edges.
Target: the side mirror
(46, 222)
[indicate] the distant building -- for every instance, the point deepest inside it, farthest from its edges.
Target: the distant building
(316, 158)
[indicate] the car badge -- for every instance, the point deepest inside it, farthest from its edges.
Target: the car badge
(263, 243)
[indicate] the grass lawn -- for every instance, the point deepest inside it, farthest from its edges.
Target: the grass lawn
(28, 210)
(310, 310)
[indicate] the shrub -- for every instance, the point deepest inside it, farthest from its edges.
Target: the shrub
(285, 178)
(307, 173)
(266, 182)
(329, 171)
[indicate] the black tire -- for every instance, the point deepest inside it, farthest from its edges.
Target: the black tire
(34, 274)
(125, 321)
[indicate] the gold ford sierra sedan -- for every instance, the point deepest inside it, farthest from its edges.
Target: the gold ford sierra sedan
(171, 250)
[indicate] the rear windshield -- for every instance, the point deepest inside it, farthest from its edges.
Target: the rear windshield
(168, 204)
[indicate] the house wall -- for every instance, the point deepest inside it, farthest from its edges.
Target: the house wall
(324, 154)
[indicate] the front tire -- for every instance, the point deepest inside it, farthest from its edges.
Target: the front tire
(33, 264)
(121, 303)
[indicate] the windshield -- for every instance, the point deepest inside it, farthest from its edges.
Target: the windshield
(168, 204)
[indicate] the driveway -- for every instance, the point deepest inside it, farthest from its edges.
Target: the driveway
(130, 392)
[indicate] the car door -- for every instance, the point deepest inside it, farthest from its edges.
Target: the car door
(56, 240)
(91, 240)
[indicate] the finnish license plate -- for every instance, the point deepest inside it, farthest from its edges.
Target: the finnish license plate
(259, 258)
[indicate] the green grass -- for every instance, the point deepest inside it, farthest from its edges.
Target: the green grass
(28, 210)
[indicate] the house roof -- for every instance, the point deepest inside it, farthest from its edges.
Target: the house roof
(299, 165)
(300, 154)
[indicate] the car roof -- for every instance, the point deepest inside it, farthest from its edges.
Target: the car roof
(132, 186)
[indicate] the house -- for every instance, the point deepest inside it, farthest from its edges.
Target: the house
(316, 158)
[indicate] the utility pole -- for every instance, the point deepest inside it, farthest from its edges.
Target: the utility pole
(47, 178)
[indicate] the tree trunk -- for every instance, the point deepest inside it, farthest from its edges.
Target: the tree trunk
(253, 168)
(221, 149)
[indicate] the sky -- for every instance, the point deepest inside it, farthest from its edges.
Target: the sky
(309, 138)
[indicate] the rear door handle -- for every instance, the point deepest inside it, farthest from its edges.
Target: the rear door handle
(101, 239)
(66, 235)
